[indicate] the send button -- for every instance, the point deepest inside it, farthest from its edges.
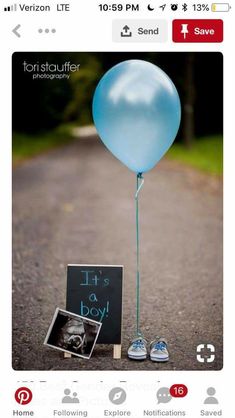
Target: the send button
(140, 30)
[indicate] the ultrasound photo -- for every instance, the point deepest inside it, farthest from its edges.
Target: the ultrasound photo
(73, 334)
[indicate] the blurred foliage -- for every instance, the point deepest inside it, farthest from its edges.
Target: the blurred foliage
(206, 154)
(83, 83)
(39, 105)
(30, 145)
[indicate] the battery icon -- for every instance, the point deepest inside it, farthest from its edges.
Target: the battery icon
(220, 7)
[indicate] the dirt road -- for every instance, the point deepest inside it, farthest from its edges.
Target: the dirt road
(76, 205)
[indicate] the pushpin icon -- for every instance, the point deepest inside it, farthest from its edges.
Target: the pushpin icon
(184, 29)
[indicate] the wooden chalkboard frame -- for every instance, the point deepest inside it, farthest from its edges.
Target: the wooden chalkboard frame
(116, 346)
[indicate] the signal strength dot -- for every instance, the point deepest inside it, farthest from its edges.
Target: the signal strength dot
(11, 8)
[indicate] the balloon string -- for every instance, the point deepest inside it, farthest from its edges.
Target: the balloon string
(139, 185)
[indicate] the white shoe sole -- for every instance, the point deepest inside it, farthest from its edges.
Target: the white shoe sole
(137, 358)
(159, 360)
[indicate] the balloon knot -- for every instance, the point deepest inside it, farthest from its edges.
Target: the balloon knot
(139, 185)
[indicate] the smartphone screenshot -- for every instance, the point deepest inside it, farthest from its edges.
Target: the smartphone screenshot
(117, 212)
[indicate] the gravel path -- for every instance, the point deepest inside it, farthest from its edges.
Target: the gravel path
(75, 205)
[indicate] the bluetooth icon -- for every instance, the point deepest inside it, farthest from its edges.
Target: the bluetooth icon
(184, 7)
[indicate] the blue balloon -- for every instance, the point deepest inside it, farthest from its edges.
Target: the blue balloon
(136, 111)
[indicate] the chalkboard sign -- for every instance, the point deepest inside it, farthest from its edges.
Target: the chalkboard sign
(95, 292)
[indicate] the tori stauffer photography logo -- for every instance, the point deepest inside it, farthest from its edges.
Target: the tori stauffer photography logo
(51, 71)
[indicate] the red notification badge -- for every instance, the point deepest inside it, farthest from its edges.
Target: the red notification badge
(178, 390)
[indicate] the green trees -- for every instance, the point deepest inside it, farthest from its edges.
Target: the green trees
(40, 105)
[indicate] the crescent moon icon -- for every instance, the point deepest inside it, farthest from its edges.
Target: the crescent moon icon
(150, 8)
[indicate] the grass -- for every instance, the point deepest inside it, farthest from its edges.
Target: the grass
(206, 154)
(26, 146)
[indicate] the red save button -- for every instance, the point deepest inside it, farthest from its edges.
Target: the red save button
(197, 30)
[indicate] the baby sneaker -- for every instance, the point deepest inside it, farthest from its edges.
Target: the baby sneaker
(158, 350)
(138, 349)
